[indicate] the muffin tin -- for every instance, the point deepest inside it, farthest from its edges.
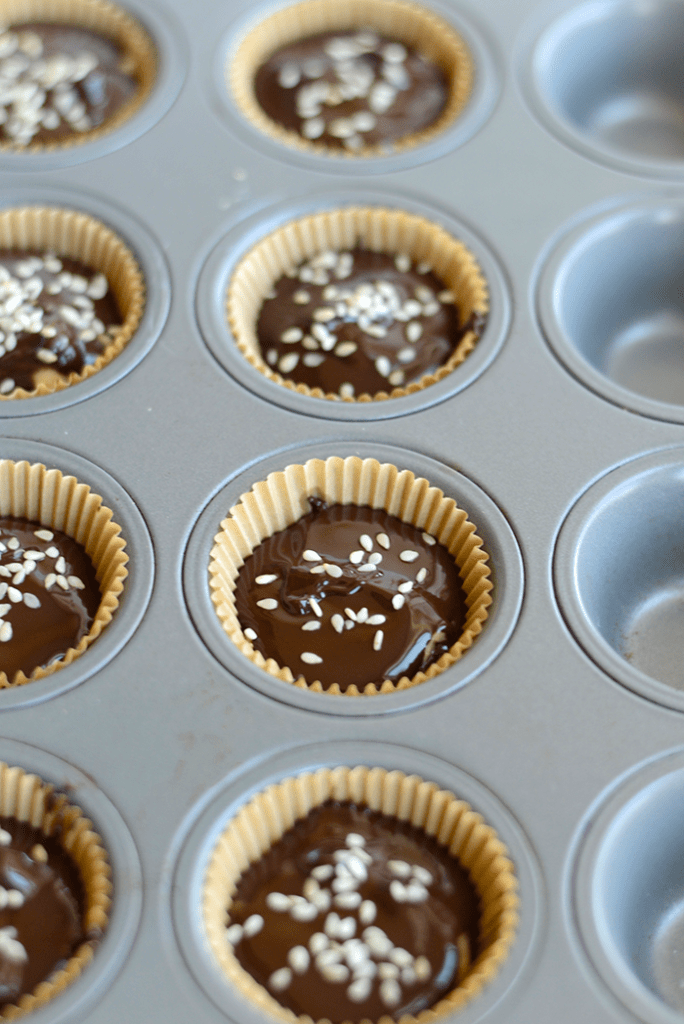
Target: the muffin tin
(562, 435)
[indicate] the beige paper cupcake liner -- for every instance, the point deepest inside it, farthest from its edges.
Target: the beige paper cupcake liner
(282, 499)
(394, 232)
(27, 798)
(107, 19)
(56, 501)
(407, 23)
(80, 237)
(476, 846)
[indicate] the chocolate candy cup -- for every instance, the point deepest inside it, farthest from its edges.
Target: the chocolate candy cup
(439, 813)
(283, 499)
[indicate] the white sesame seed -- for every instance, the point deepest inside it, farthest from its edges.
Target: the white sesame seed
(414, 331)
(421, 575)
(234, 934)
(378, 639)
(304, 911)
(318, 943)
(396, 378)
(343, 883)
(313, 359)
(416, 893)
(348, 900)
(266, 578)
(388, 970)
(315, 607)
(376, 620)
(268, 604)
(383, 366)
(53, 552)
(333, 570)
(289, 76)
(250, 633)
(402, 263)
(422, 874)
(377, 941)
(401, 957)
(337, 623)
(367, 912)
(367, 567)
(5, 632)
(406, 355)
(287, 363)
(345, 348)
(278, 901)
(346, 390)
(409, 555)
(5, 837)
(398, 601)
(356, 557)
(406, 587)
(383, 540)
(394, 53)
(362, 615)
(359, 990)
(280, 979)
(299, 959)
(375, 558)
(291, 335)
(350, 613)
(13, 544)
(310, 658)
(309, 627)
(301, 297)
(335, 972)
(253, 925)
(390, 992)
(311, 556)
(397, 891)
(422, 968)
(400, 868)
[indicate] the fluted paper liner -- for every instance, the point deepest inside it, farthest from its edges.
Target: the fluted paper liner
(264, 819)
(282, 499)
(81, 237)
(394, 232)
(139, 57)
(56, 501)
(27, 798)
(407, 23)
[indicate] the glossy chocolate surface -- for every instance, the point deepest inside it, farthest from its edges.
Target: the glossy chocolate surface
(41, 908)
(56, 317)
(396, 918)
(359, 323)
(332, 598)
(48, 595)
(351, 90)
(59, 81)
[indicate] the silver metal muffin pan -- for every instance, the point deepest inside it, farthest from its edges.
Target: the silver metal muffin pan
(562, 435)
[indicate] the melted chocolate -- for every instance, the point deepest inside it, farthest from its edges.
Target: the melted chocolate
(80, 78)
(330, 617)
(47, 923)
(64, 321)
(46, 604)
(432, 917)
(351, 89)
(355, 323)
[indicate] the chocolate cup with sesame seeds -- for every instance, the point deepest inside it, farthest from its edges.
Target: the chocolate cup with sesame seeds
(77, 236)
(136, 62)
(405, 237)
(25, 798)
(49, 500)
(261, 822)
(284, 498)
(409, 24)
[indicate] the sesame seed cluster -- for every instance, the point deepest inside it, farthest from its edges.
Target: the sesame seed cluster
(354, 915)
(48, 595)
(351, 90)
(358, 322)
(57, 81)
(40, 907)
(351, 596)
(56, 314)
